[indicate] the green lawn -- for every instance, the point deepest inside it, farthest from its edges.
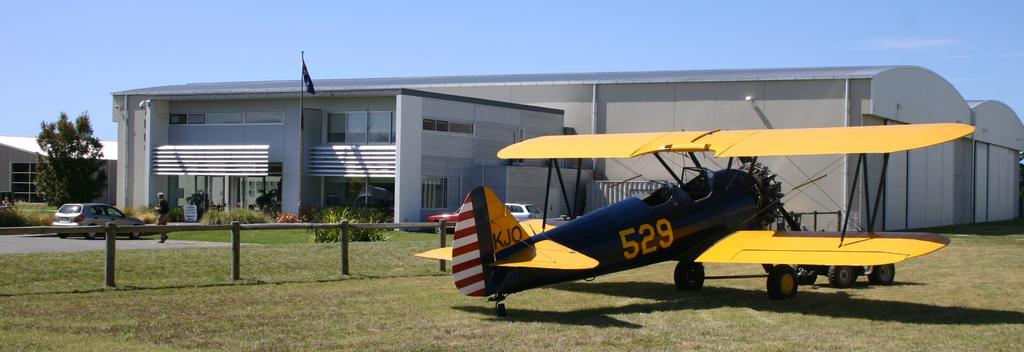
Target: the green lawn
(968, 296)
(287, 236)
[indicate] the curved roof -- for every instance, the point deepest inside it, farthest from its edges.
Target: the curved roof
(719, 75)
(997, 124)
(29, 145)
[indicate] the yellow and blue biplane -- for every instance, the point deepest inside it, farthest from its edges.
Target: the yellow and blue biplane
(715, 217)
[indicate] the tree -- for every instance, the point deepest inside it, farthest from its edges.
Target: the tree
(72, 169)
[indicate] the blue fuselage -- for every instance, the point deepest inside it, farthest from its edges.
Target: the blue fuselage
(667, 225)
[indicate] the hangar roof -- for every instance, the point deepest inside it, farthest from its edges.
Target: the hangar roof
(718, 75)
(29, 145)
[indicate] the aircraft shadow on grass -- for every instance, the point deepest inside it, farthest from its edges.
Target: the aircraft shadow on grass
(668, 299)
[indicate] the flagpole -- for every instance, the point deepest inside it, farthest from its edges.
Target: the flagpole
(302, 83)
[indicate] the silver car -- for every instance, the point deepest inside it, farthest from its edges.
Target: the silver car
(524, 211)
(88, 214)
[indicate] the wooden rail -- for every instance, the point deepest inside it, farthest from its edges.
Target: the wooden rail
(111, 231)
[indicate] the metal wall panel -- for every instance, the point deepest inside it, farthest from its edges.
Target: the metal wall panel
(470, 160)
(1002, 184)
(963, 181)
(981, 187)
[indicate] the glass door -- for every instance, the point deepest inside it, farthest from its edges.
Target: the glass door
(218, 197)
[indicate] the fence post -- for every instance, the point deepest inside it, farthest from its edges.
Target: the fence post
(815, 220)
(111, 238)
(236, 249)
(441, 232)
(344, 247)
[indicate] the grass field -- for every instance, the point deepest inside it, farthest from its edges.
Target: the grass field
(968, 296)
(286, 236)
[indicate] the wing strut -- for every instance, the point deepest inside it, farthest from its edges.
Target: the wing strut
(576, 197)
(849, 202)
(879, 195)
(547, 196)
(870, 211)
(673, 173)
(561, 184)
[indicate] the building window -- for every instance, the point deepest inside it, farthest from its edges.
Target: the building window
(355, 127)
(196, 119)
(361, 127)
(381, 127)
(228, 118)
(370, 192)
(447, 126)
(23, 182)
(264, 118)
(224, 118)
(435, 193)
(456, 127)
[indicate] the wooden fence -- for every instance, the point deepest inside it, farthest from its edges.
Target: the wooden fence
(111, 230)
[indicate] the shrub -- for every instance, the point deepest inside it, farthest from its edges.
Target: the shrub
(147, 215)
(353, 215)
(17, 216)
(285, 218)
(225, 217)
(308, 213)
(176, 215)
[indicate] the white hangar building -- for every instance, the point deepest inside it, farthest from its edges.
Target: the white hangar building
(973, 179)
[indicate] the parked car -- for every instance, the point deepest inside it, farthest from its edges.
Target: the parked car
(450, 217)
(524, 211)
(89, 214)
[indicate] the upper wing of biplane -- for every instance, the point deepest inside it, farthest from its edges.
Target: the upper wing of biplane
(766, 142)
(821, 248)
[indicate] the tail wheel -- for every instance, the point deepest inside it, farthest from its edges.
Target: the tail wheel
(90, 235)
(689, 276)
(882, 274)
(782, 282)
(841, 276)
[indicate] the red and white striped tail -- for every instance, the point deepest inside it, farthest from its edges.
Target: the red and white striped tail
(467, 266)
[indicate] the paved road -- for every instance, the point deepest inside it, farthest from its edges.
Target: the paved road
(51, 243)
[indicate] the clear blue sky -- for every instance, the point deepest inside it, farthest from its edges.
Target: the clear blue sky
(69, 56)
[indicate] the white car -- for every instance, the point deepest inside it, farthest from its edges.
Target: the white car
(91, 214)
(524, 211)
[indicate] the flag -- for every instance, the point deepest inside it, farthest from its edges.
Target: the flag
(306, 80)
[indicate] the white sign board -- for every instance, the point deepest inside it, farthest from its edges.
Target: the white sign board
(191, 213)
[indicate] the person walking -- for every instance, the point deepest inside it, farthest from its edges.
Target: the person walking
(163, 209)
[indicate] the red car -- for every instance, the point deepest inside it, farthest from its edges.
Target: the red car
(450, 217)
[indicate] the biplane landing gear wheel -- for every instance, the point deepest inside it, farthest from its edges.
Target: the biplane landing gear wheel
(499, 308)
(841, 276)
(882, 274)
(782, 282)
(689, 276)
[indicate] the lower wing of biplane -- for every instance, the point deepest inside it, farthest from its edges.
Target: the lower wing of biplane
(821, 248)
